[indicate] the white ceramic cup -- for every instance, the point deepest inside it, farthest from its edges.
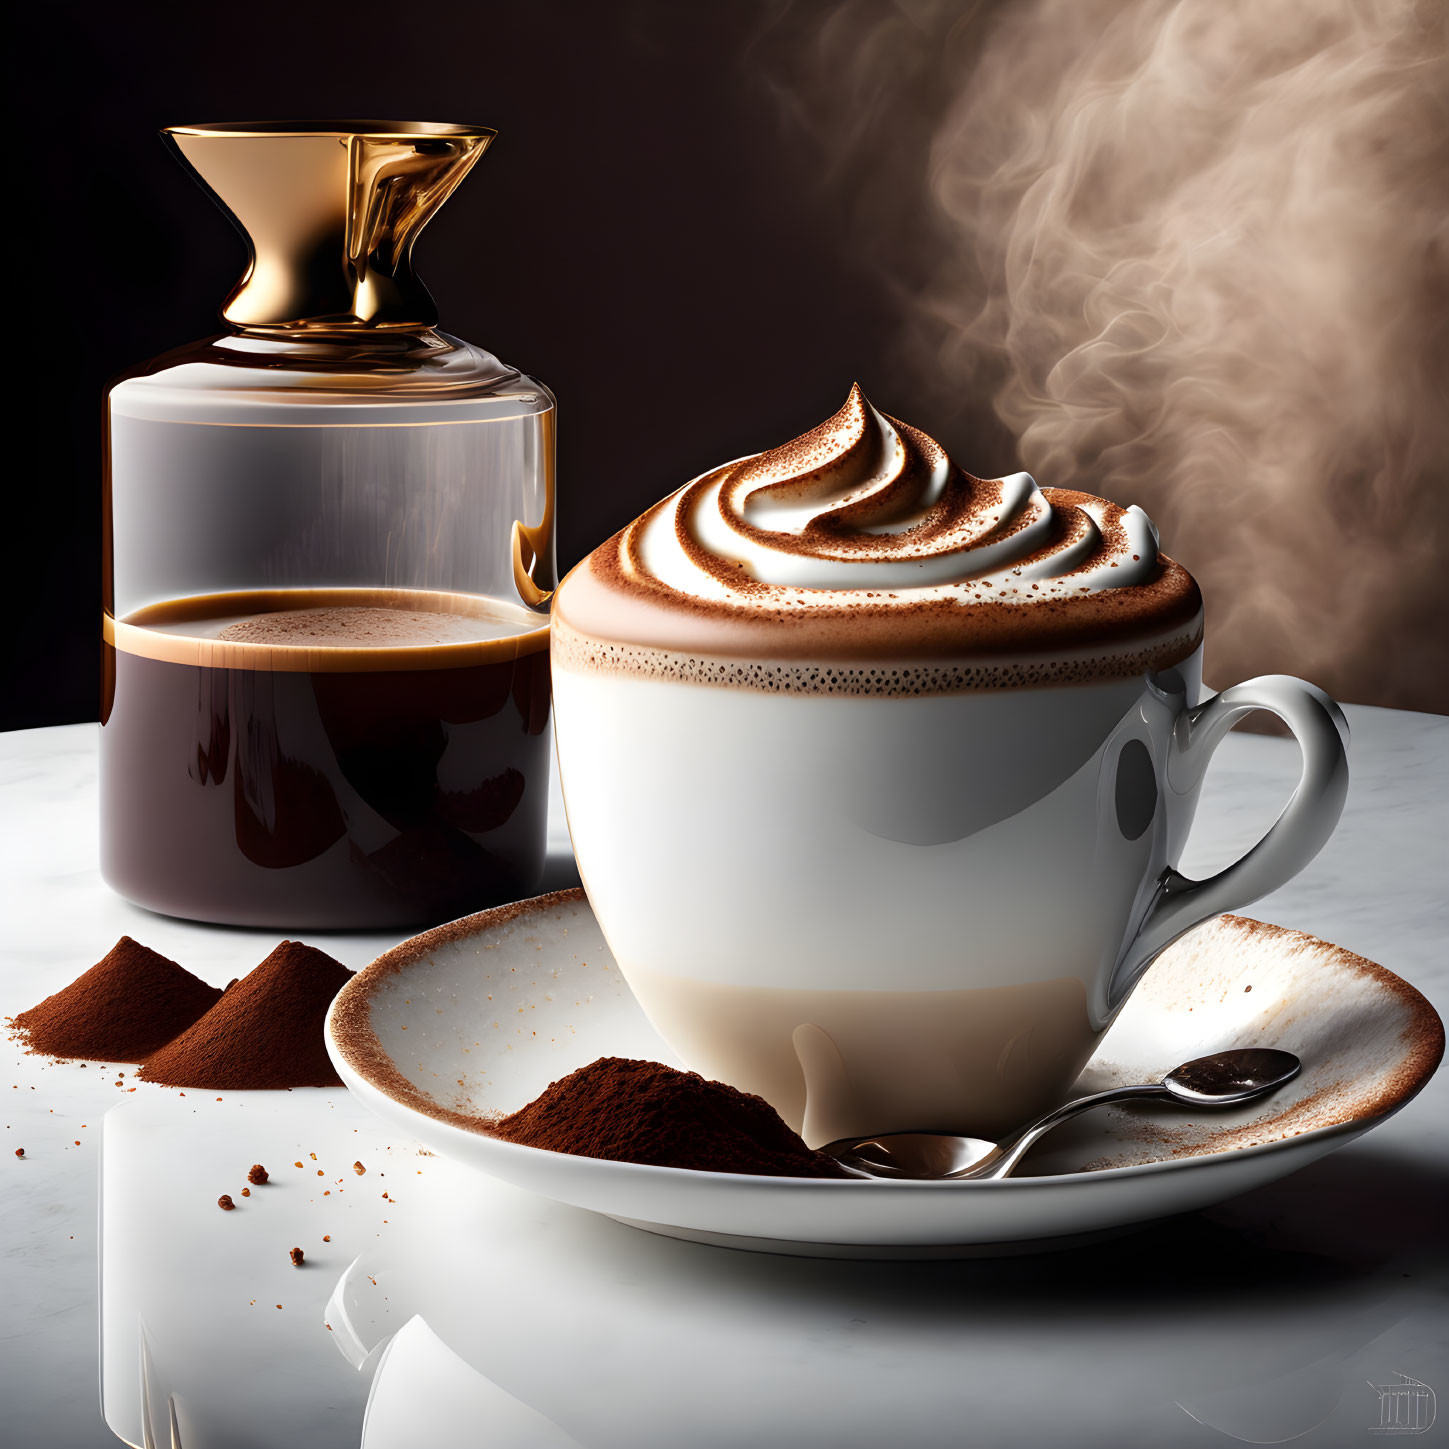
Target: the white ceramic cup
(885, 914)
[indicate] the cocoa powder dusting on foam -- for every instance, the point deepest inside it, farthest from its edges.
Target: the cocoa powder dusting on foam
(129, 1004)
(615, 619)
(636, 1111)
(266, 1032)
(862, 543)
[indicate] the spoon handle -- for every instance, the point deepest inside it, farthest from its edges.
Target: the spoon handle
(1003, 1161)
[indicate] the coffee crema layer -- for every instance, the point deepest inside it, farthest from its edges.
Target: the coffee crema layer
(329, 630)
(863, 542)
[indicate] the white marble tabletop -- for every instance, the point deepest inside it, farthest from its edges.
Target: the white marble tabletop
(1342, 1264)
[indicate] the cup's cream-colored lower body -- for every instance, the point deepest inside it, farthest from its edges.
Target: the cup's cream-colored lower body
(878, 913)
(990, 1057)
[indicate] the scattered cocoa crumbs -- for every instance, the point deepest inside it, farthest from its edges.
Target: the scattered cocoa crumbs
(257, 1174)
(20, 1152)
(298, 1257)
(636, 1111)
(265, 1032)
(128, 1004)
(225, 1203)
(326, 1237)
(358, 1168)
(246, 1192)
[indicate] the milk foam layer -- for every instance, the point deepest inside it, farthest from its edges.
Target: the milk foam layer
(863, 540)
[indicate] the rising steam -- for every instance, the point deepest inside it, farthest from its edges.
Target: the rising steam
(1197, 254)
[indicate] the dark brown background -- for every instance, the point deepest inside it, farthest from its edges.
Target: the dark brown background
(658, 234)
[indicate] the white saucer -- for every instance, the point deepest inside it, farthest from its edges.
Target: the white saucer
(478, 1017)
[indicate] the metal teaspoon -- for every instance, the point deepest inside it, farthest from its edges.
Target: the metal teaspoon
(1219, 1080)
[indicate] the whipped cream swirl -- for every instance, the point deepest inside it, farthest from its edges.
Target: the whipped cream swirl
(859, 559)
(865, 505)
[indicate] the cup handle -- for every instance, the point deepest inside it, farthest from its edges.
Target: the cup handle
(1300, 832)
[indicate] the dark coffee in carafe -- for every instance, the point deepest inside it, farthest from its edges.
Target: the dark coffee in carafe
(325, 757)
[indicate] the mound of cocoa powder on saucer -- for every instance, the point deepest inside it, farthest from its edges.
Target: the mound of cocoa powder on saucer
(265, 1032)
(128, 1005)
(636, 1111)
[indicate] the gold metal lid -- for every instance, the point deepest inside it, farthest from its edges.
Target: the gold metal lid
(330, 211)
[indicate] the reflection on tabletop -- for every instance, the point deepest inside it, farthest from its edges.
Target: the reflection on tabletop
(457, 1303)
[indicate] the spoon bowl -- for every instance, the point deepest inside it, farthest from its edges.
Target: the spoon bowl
(915, 1156)
(1228, 1077)
(1219, 1080)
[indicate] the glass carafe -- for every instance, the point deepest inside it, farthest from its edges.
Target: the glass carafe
(328, 559)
